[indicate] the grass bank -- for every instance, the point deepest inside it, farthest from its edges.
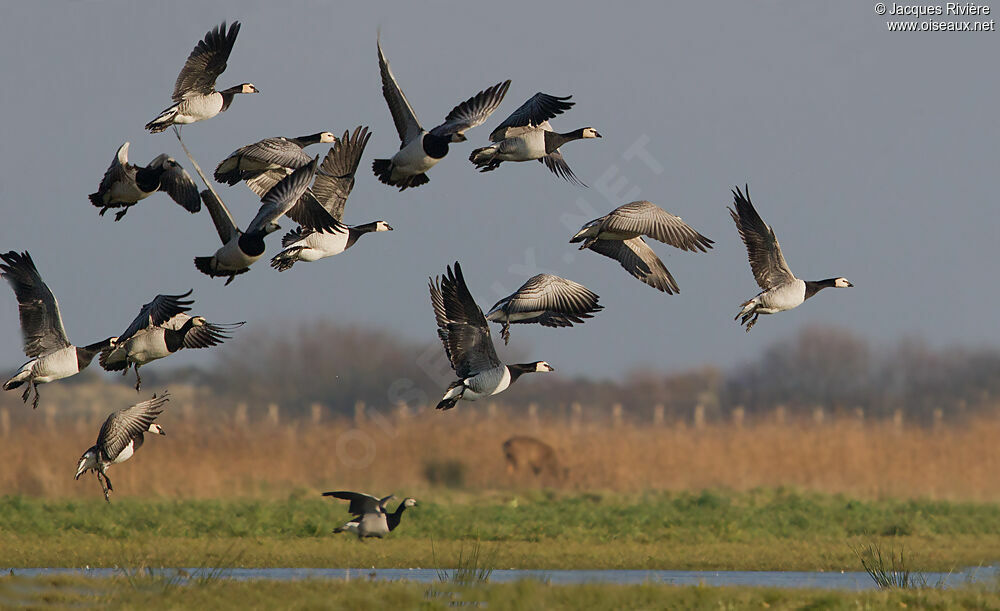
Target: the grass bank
(152, 593)
(767, 529)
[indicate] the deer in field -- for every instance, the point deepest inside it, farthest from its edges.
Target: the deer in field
(522, 451)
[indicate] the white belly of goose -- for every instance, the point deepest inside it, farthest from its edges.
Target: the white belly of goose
(125, 192)
(147, 346)
(199, 108)
(319, 245)
(412, 159)
(231, 258)
(125, 454)
(60, 364)
(516, 316)
(374, 525)
(525, 147)
(782, 298)
(486, 383)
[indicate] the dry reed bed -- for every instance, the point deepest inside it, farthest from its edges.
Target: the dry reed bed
(204, 457)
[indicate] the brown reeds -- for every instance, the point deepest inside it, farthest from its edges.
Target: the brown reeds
(257, 451)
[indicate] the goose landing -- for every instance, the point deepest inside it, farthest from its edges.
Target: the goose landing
(781, 289)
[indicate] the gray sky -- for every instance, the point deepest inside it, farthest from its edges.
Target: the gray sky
(871, 153)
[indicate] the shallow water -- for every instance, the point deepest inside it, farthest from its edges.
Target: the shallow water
(773, 579)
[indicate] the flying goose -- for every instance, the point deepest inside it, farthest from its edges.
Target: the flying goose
(124, 184)
(332, 186)
(120, 437)
(781, 289)
(52, 356)
(526, 135)
(466, 337)
(161, 329)
(262, 164)
(195, 97)
(241, 249)
(370, 517)
(618, 235)
(549, 300)
(421, 150)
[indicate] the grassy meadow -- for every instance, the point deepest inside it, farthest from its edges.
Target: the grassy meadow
(758, 530)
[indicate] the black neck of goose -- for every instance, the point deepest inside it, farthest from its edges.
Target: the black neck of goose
(174, 338)
(252, 244)
(815, 286)
(137, 442)
(227, 97)
(521, 368)
(554, 140)
(148, 179)
(392, 519)
(436, 147)
(86, 354)
(359, 230)
(304, 141)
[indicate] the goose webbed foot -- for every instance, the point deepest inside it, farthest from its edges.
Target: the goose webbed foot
(106, 489)
(505, 333)
(752, 322)
(119, 215)
(138, 380)
(34, 404)
(231, 278)
(26, 393)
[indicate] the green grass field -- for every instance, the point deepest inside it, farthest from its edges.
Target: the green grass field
(758, 530)
(153, 593)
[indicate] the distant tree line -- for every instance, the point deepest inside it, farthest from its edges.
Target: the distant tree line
(339, 365)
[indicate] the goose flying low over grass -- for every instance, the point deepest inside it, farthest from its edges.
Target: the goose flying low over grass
(125, 184)
(467, 343)
(161, 329)
(548, 300)
(618, 235)
(332, 186)
(195, 97)
(526, 134)
(781, 290)
(264, 163)
(241, 249)
(120, 437)
(370, 516)
(420, 150)
(52, 356)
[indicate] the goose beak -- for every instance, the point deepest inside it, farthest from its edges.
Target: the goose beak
(850, 284)
(598, 135)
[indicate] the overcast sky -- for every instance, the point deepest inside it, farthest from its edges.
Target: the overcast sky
(872, 154)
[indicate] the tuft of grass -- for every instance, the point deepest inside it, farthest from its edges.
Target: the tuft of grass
(888, 570)
(471, 567)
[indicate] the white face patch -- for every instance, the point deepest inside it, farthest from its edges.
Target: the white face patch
(842, 283)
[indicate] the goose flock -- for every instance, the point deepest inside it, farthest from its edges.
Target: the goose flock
(291, 182)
